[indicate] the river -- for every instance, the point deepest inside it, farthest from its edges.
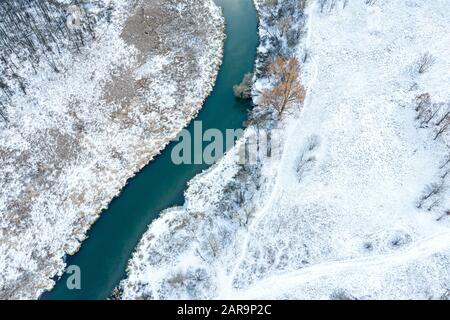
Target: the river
(104, 255)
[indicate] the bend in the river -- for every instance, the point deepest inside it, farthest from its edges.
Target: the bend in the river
(103, 257)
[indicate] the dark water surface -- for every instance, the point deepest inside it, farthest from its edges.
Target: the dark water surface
(104, 255)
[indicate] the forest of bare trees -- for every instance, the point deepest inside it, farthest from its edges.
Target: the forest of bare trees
(284, 26)
(35, 32)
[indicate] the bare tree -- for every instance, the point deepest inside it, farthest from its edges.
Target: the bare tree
(433, 189)
(445, 115)
(430, 114)
(445, 163)
(444, 127)
(36, 32)
(446, 214)
(423, 101)
(288, 88)
(425, 62)
(322, 4)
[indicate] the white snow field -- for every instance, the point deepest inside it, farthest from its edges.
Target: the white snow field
(72, 142)
(368, 216)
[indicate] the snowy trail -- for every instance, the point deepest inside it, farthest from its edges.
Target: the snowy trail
(285, 159)
(420, 250)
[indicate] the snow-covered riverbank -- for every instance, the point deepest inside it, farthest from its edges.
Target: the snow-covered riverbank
(76, 137)
(367, 215)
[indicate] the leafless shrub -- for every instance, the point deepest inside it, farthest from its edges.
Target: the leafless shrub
(400, 239)
(445, 167)
(444, 115)
(288, 89)
(302, 4)
(331, 4)
(425, 62)
(445, 163)
(423, 102)
(285, 24)
(446, 295)
(444, 127)
(429, 113)
(306, 159)
(322, 4)
(434, 203)
(371, 2)
(431, 190)
(446, 214)
(443, 121)
(368, 246)
(342, 294)
(270, 3)
(2, 112)
(305, 163)
(35, 31)
(445, 174)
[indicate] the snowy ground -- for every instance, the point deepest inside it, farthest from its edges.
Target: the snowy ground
(350, 223)
(75, 138)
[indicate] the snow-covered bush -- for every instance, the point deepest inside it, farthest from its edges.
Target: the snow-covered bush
(287, 89)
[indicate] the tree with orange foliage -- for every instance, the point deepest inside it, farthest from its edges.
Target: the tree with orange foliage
(288, 88)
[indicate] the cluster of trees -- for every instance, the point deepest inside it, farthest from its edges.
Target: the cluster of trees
(284, 22)
(435, 115)
(329, 5)
(38, 31)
